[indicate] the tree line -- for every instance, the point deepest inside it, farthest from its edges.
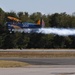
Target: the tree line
(33, 40)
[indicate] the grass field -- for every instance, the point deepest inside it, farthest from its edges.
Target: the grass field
(7, 64)
(37, 54)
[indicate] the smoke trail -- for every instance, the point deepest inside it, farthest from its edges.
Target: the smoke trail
(57, 31)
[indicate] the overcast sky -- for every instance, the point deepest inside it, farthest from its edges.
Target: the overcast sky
(43, 6)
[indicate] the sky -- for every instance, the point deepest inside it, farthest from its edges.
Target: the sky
(43, 6)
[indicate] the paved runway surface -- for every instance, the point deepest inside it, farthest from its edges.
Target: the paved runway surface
(44, 61)
(37, 50)
(37, 71)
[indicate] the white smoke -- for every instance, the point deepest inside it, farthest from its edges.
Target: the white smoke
(57, 31)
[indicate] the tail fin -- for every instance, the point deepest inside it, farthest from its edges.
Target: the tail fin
(41, 23)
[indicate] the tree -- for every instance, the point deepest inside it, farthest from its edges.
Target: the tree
(54, 20)
(34, 40)
(2, 16)
(23, 16)
(22, 41)
(35, 16)
(1, 41)
(8, 42)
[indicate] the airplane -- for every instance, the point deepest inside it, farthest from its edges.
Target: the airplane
(16, 25)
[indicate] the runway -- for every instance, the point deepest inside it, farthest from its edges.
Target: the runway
(37, 50)
(41, 61)
(37, 71)
(44, 61)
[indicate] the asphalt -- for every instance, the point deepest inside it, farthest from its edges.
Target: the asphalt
(43, 61)
(37, 50)
(37, 71)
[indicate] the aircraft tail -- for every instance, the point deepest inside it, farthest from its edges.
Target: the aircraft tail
(41, 23)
